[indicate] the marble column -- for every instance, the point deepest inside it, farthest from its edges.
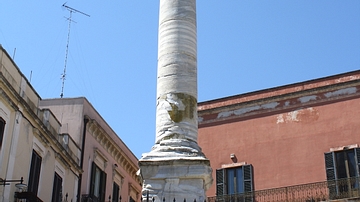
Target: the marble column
(176, 168)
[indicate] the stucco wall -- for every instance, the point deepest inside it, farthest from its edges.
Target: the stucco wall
(29, 128)
(285, 146)
(102, 145)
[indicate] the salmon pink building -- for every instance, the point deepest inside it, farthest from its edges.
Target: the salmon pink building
(298, 142)
(109, 167)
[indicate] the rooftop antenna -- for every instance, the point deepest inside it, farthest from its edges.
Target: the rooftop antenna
(71, 10)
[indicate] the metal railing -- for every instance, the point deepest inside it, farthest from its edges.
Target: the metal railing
(148, 198)
(28, 196)
(89, 198)
(312, 192)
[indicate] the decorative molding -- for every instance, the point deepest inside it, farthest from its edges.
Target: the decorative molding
(277, 103)
(61, 158)
(43, 139)
(9, 100)
(352, 146)
(27, 108)
(232, 165)
(4, 111)
(112, 148)
(100, 158)
(118, 177)
(59, 169)
(38, 147)
(133, 192)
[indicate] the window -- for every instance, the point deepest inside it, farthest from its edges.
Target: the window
(34, 174)
(342, 168)
(98, 183)
(2, 128)
(342, 164)
(236, 180)
(115, 195)
(57, 189)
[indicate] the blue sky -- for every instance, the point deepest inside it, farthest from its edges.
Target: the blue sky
(243, 46)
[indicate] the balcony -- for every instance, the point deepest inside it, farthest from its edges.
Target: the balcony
(89, 198)
(28, 196)
(70, 146)
(337, 190)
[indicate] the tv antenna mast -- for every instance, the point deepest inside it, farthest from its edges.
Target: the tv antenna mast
(71, 10)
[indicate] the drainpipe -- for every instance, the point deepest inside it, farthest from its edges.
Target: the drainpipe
(86, 120)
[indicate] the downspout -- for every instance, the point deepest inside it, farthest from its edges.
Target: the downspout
(86, 120)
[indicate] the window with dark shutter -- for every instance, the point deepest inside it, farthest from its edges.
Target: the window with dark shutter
(248, 182)
(220, 182)
(357, 157)
(330, 166)
(235, 180)
(34, 174)
(97, 183)
(102, 185)
(342, 164)
(57, 189)
(2, 128)
(92, 179)
(342, 169)
(116, 191)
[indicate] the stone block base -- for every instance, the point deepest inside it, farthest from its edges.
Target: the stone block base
(175, 179)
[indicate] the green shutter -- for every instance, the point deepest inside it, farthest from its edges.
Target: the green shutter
(331, 175)
(330, 166)
(248, 183)
(220, 181)
(248, 178)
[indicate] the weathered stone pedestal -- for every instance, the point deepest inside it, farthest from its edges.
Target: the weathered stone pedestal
(175, 179)
(175, 169)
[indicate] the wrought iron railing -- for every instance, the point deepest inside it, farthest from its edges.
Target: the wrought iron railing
(312, 192)
(28, 196)
(89, 198)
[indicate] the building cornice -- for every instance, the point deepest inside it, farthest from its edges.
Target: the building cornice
(279, 103)
(30, 109)
(281, 90)
(112, 148)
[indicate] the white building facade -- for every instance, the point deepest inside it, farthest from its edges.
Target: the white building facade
(31, 145)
